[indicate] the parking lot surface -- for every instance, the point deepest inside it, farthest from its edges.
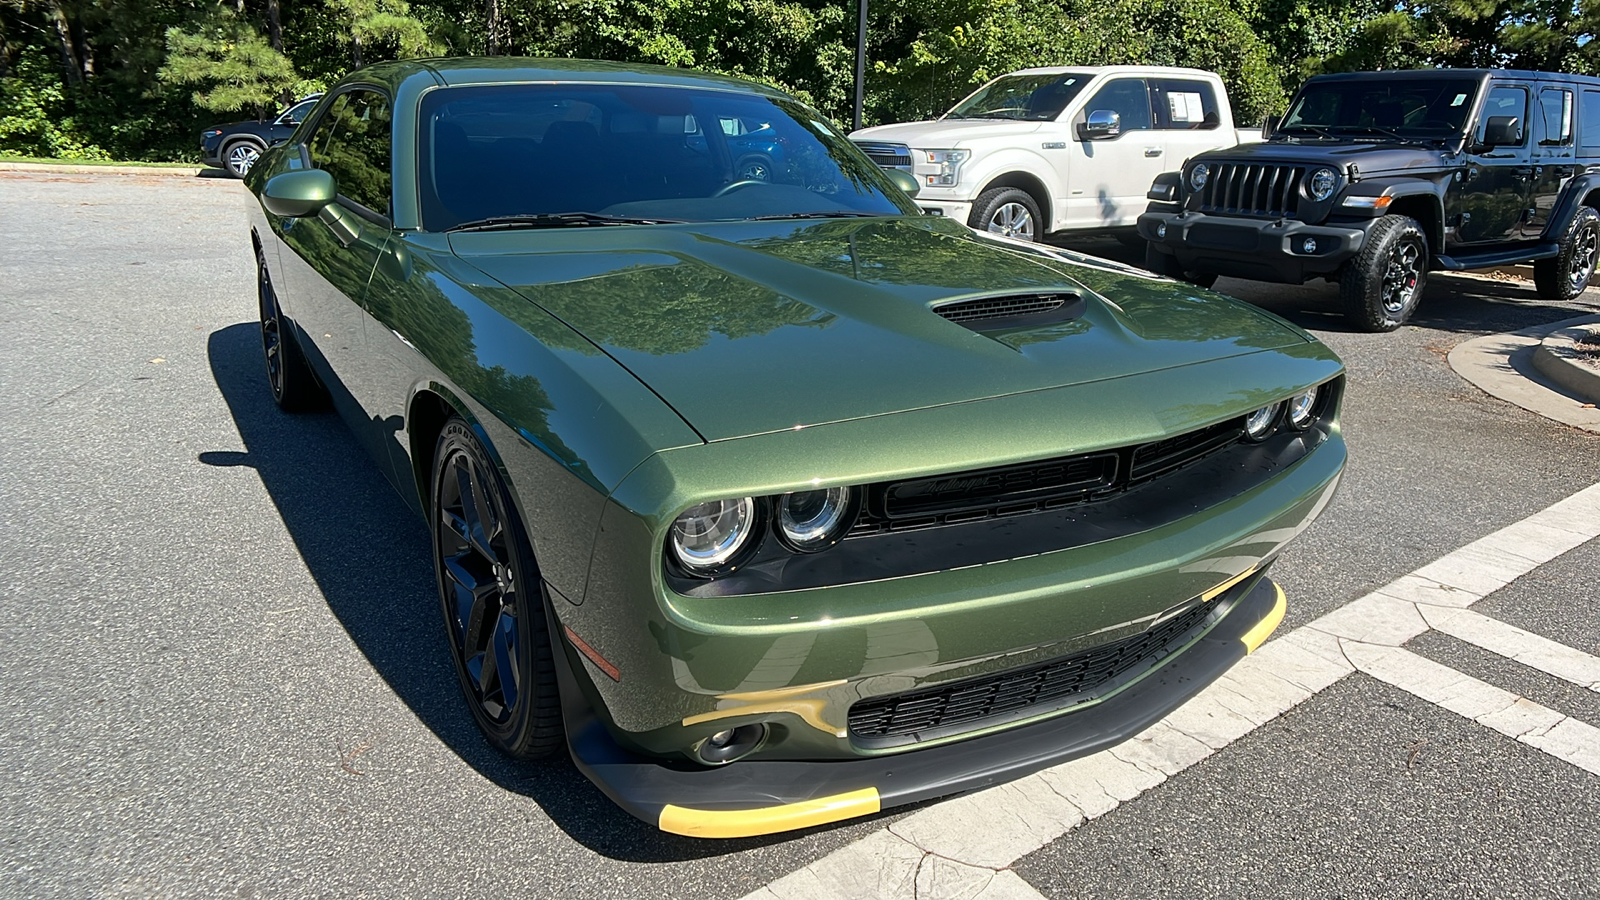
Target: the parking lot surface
(224, 674)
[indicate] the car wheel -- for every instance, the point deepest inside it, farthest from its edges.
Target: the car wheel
(1168, 265)
(1564, 276)
(493, 600)
(1007, 211)
(239, 156)
(1381, 287)
(753, 168)
(294, 387)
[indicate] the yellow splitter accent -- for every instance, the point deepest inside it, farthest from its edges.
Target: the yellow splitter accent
(1258, 635)
(732, 823)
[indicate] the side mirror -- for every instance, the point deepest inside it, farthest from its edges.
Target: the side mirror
(297, 194)
(905, 181)
(1101, 124)
(1501, 131)
(1269, 125)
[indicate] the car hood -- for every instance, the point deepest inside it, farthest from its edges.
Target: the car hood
(1370, 158)
(747, 328)
(945, 132)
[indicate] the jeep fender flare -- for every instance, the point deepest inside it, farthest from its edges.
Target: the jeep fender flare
(1575, 195)
(1413, 197)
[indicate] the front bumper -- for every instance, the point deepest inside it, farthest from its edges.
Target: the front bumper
(211, 151)
(765, 796)
(1259, 249)
(950, 209)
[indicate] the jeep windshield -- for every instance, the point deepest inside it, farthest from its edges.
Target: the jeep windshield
(1426, 109)
(1022, 98)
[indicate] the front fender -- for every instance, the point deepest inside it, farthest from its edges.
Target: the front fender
(1573, 196)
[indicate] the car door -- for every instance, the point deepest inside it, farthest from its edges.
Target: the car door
(1188, 120)
(1106, 179)
(1490, 202)
(1552, 154)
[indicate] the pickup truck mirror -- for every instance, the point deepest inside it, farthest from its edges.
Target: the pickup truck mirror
(297, 194)
(904, 181)
(1269, 125)
(1500, 131)
(1101, 125)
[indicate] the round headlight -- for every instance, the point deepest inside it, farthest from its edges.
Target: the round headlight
(812, 520)
(1322, 183)
(708, 536)
(1198, 176)
(1303, 409)
(1258, 425)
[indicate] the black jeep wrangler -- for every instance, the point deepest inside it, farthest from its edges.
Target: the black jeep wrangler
(1373, 179)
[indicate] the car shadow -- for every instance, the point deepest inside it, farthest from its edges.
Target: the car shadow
(370, 556)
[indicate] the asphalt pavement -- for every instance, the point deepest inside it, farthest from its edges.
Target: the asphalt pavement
(224, 674)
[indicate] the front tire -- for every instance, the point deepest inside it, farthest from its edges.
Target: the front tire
(1168, 265)
(1382, 286)
(1007, 211)
(493, 600)
(1565, 276)
(294, 387)
(240, 157)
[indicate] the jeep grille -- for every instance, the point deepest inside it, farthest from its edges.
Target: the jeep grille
(1249, 189)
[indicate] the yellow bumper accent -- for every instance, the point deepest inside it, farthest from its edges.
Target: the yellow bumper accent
(778, 700)
(1258, 635)
(732, 823)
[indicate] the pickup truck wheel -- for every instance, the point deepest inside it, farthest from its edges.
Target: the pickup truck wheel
(1007, 211)
(1168, 265)
(1381, 286)
(1565, 276)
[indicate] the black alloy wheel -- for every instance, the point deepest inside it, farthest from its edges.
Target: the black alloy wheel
(294, 388)
(1566, 275)
(1381, 287)
(493, 600)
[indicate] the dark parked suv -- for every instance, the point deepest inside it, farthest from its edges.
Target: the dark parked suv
(236, 147)
(1373, 179)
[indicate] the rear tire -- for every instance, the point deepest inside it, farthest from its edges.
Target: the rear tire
(1007, 211)
(1382, 286)
(1168, 265)
(1565, 276)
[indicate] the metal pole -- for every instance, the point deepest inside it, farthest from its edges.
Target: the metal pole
(861, 63)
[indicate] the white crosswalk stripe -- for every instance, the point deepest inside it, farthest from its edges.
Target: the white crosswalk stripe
(961, 849)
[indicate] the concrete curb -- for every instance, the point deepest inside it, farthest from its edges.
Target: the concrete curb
(1559, 358)
(69, 169)
(1502, 366)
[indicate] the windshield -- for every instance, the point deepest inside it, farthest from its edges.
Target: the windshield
(1395, 108)
(1027, 98)
(637, 153)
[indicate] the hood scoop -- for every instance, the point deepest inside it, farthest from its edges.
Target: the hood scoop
(1013, 311)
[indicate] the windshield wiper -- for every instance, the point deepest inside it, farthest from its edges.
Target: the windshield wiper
(555, 220)
(1318, 130)
(836, 214)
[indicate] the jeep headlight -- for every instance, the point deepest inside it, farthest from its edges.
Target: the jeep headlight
(1321, 183)
(946, 165)
(1198, 176)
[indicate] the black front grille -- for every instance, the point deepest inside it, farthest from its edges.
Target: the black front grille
(1002, 307)
(977, 494)
(1019, 693)
(890, 156)
(1253, 189)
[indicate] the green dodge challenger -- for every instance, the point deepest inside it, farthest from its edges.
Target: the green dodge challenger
(774, 500)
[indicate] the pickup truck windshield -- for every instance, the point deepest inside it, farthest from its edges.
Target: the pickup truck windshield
(589, 155)
(1026, 98)
(1424, 109)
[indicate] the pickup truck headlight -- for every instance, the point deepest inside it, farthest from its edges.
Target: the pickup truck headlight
(1198, 176)
(1321, 184)
(948, 165)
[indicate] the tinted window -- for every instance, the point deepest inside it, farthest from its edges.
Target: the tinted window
(352, 144)
(1129, 98)
(1556, 105)
(1589, 119)
(1410, 107)
(636, 151)
(1182, 104)
(297, 113)
(1506, 101)
(1035, 98)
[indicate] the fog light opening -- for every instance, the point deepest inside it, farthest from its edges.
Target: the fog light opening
(1309, 245)
(1161, 230)
(731, 744)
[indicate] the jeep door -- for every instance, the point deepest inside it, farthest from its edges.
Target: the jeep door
(1106, 179)
(1490, 201)
(1552, 156)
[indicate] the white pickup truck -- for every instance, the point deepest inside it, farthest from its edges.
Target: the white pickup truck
(1069, 148)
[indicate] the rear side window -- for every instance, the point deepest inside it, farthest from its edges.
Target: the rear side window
(1556, 107)
(1589, 118)
(352, 144)
(1506, 101)
(1129, 98)
(1182, 104)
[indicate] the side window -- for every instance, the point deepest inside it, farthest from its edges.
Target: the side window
(1129, 98)
(297, 113)
(352, 144)
(1184, 105)
(1589, 118)
(1557, 108)
(1506, 101)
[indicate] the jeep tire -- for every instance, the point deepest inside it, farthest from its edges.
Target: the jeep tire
(1380, 288)
(1008, 211)
(1565, 275)
(1168, 265)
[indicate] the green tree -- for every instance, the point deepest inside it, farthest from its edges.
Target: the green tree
(230, 65)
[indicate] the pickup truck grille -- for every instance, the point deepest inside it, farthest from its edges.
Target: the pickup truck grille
(889, 156)
(1251, 189)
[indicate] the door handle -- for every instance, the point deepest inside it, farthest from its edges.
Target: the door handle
(1152, 151)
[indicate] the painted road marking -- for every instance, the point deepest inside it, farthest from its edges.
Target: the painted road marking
(963, 847)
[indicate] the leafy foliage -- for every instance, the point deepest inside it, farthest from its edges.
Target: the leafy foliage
(230, 63)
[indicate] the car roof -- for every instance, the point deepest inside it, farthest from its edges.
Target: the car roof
(1111, 70)
(482, 70)
(1475, 74)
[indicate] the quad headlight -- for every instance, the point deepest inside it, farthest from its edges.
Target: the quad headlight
(1198, 176)
(1297, 413)
(1302, 409)
(1321, 183)
(710, 536)
(1259, 425)
(716, 537)
(812, 520)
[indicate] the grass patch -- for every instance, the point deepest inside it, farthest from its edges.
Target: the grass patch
(17, 157)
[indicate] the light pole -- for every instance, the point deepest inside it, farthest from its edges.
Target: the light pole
(861, 62)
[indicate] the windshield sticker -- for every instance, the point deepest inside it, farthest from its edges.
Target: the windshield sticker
(1185, 106)
(1460, 99)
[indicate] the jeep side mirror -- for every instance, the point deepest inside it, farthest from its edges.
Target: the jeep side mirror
(1101, 124)
(1269, 125)
(905, 181)
(298, 194)
(1500, 131)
